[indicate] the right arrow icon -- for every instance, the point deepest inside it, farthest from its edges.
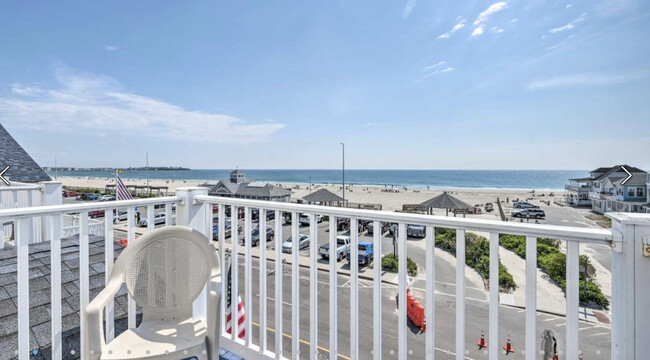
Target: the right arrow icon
(629, 175)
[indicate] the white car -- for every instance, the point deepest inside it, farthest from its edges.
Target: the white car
(303, 219)
(107, 198)
(157, 220)
(302, 243)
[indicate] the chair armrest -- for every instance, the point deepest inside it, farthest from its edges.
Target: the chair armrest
(213, 326)
(95, 319)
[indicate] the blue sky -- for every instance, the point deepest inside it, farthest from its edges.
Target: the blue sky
(405, 84)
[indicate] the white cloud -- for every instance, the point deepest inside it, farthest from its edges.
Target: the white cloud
(436, 65)
(408, 8)
(478, 31)
(585, 79)
(514, 20)
(570, 25)
(437, 72)
(456, 27)
(568, 6)
(111, 48)
(99, 103)
(496, 7)
(496, 30)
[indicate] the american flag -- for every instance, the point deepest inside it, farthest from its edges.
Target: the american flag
(121, 190)
(241, 313)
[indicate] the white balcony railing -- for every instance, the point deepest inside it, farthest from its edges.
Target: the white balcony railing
(327, 334)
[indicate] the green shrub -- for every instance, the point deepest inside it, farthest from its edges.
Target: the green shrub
(477, 255)
(390, 263)
(553, 262)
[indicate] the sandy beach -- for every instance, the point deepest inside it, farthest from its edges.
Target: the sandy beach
(390, 201)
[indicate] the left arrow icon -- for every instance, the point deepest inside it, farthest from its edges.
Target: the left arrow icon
(2, 177)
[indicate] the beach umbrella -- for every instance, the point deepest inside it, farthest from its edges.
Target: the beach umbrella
(447, 202)
(322, 196)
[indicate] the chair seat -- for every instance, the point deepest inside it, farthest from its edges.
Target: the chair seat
(155, 339)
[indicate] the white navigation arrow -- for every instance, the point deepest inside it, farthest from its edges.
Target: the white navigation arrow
(629, 175)
(2, 173)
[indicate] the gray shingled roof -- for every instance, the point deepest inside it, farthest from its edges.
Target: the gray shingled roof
(22, 167)
(636, 179)
(39, 296)
(446, 201)
(245, 189)
(619, 168)
(322, 195)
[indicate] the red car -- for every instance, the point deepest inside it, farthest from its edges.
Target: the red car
(96, 214)
(68, 193)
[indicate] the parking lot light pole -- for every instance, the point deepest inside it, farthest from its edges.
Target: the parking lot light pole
(343, 145)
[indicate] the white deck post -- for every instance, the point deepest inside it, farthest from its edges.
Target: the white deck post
(192, 213)
(50, 195)
(630, 286)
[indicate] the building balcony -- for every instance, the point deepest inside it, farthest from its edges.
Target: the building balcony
(578, 188)
(300, 306)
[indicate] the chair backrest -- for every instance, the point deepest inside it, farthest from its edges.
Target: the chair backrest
(166, 269)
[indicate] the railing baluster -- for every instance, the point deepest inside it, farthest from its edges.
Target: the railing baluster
(531, 297)
(224, 271)
(333, 258)
(151, 218)
(493, 334)
(109, 258)
(313, 287)
(234, 260)
(460, 294)
(354, 288)
(430, 311)
(23, 234)
(263, 263)
(402, 281)
(84, 278)
(295, 287)
(278, 284)
(169, 215)
(572, 298)
(55, 264)
(248, 275)
(130, 238)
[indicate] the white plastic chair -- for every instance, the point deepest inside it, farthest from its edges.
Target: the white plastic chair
(164, 271)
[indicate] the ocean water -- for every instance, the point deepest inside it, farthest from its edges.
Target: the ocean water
(494, 179)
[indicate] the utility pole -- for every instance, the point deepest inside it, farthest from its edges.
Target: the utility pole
(56, 169)
(343, 145)
(310, 184)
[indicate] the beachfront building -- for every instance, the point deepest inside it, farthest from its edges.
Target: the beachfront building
(610, 189)
(238, 186)
(22, 168)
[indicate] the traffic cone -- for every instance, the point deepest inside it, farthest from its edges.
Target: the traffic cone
(482, 343)
(508, 347)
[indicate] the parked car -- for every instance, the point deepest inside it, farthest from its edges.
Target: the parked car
(96, 214)
(303, 243)
(240, 212)
(303, 219)
(342, 248)
(529, 213)
(121, 215)
(524, 205)
(255, 214)
(157, 220)
(383, 227)
(342, 224)
(227, 229)
(416, 231)
(366, 254)
(489, 207)
(107, 198)
(68, 193)
(255, 236)
(92, 197)
(82, 196)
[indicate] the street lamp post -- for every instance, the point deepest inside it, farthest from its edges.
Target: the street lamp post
(343, 145)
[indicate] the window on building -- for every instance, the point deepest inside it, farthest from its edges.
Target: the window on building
(639, 191)
(630, 191)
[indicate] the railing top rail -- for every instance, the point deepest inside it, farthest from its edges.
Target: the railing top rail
(71, 208)
(15, 186)
(538, 230)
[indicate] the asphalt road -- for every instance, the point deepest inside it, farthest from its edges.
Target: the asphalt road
(594, 338)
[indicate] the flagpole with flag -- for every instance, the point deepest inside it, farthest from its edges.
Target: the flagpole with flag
(239, 312)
